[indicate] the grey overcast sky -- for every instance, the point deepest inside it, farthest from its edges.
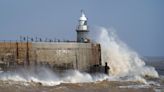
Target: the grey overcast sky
(139, 23)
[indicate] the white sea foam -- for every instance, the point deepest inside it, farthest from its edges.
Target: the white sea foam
(48, 78)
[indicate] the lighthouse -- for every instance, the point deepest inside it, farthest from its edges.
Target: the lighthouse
(82, 29)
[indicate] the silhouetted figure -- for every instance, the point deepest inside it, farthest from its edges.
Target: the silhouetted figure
(32, 39)
(40, 40)
(106, 68)
(24, 38)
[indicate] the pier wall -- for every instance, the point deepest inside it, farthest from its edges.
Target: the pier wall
(60, 56)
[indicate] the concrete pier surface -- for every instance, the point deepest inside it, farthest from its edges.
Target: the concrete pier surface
(58, 55)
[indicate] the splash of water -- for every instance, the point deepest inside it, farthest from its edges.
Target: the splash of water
(124, 63)
(47, 77)
(122, 60)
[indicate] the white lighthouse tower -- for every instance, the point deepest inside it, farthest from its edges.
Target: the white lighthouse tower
(82, 29)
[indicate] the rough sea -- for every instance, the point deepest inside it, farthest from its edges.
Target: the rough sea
(129, 72)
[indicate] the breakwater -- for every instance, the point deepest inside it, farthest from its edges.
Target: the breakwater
(63, 55)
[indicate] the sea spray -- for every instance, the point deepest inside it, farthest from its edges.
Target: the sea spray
(41, 75)
(47, 77)
(125, 65)
(122, 60)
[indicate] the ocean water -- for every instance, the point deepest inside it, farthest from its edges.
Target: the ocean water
(129, 72)
(74, 81)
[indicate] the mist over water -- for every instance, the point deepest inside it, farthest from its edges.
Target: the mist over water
(124, 63)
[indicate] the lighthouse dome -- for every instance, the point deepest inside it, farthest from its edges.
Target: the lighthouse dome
(83, 18)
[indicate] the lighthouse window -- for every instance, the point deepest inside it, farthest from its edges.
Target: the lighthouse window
(85, 23)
